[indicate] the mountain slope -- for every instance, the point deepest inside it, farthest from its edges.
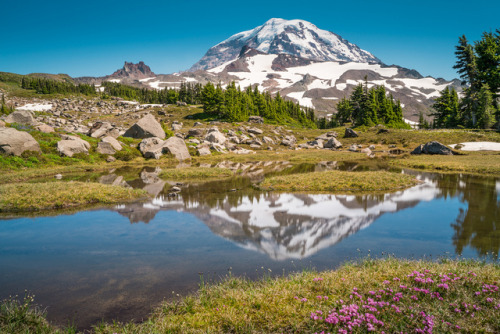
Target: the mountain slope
(294, 37)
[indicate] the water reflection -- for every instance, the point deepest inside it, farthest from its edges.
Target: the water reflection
(296, 226)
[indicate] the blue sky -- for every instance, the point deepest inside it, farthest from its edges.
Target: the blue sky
(95, 37)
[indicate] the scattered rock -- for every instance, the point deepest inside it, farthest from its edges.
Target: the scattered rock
(85, 143)
(147, 127)
(382, 130)
(316, 143)
(353, 148)
(110, 159)
(58, 177)
(366, 151)
(289, 141)
(176, 126)
(350, 133)
(432, 147)
(2, 124)
(14, 142)
(268, 140)
(103, 129)
(199, 132)
(181, 104)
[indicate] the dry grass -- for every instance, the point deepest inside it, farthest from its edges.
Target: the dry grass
(54, 195)
(196, 173)
(339, 181)
(473, 162)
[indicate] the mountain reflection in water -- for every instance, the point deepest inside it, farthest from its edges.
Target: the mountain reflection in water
(296, 226)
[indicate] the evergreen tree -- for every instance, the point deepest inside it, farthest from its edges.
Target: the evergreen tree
(485, 109)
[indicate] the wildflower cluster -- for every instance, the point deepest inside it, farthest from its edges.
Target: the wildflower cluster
(421, 302)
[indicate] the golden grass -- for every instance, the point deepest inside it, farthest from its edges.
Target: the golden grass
(54, 195)
(473, 162)
(340, 181)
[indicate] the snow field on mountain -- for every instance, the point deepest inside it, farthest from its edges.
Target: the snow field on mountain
(36, 107)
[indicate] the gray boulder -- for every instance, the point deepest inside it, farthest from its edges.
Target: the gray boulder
(70, 147)
(103, 129)
(255, 131)
(289, 141)
(332, 143)
(113, 142)
(350, 133)
(216, 137)
(177, 147)
(14, 142)
(44, 128)
(24, 117)
(432, 147)
(105, 148)
(85, 143)
(198, 132)
(147, 127)
(151, 147)
(203, 150)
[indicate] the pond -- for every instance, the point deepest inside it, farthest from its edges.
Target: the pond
(119, 262)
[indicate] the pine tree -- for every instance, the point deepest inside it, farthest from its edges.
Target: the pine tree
(485, 109)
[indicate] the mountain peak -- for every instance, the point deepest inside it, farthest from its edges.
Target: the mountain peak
(134, 71)
(294, 37)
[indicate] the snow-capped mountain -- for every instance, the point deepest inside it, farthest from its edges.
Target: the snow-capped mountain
(294, 37)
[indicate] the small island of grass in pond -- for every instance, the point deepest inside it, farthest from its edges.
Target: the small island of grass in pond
(340, 181)
(55, 195)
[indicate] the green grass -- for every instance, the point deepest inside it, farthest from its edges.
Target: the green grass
(390, 295)
(339, 182)
(55, 195)
(195, 173)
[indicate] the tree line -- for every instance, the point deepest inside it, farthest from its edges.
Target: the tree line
(51, 86)
(478, 65)
(368, 107)
(235, 105)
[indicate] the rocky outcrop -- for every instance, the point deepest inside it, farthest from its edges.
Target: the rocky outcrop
(433, 147)
(134, 71)
(24, 117)
(14, 142)
(147, 127)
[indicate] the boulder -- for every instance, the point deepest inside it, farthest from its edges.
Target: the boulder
(255, 131)
(68, 147)
(289, 141)
(24, 117)
(44, 128)
(114, 143)
(216, 137)
(110, 159)
(176, 126)
(432, 147)
(203, 150)
(198, 132)
(151, 147)
(268, 140)
(350, 133)
(14, 142)
(147, 127)
(366, 151)
(78, 139)
(103, 129)
(105, 148)
(316, 143)
(353, 148)
(2, 124)
(177, 147)
(332, 143)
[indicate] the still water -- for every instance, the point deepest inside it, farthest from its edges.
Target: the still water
(119, 262)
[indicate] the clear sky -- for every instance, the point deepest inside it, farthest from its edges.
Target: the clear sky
(94, 38)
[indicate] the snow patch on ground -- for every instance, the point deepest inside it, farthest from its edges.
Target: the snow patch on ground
(115, 80)
(36, 107)
(303, 101)
(479, 146)
(147, 79)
